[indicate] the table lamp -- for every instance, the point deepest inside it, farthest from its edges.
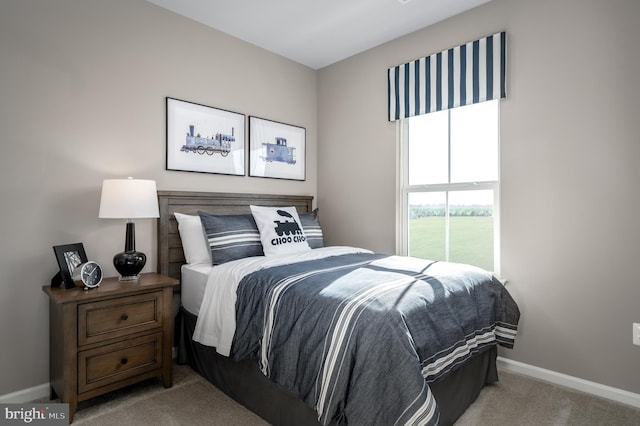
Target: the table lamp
(129, 199)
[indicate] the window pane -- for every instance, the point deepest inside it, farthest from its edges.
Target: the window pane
(428, 149)
(449, 218)
(474, 143)
(427, 225)
(471, 228)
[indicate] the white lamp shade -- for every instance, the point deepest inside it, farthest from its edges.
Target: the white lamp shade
(128, 199)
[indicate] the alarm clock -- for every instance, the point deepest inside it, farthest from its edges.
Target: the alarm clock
(90, 273)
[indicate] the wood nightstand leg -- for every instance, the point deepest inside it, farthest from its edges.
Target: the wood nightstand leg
(167, 330)
(52, 393)
(167, 379)
(73, 406)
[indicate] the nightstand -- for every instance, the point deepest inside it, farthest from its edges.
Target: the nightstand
(108, 337)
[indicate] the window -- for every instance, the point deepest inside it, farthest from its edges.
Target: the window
(449, 185)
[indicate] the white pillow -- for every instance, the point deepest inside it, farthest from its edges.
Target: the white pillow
(192, 236)
(280, 230)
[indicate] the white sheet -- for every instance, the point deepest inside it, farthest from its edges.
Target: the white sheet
(193, 282)
(216, 323)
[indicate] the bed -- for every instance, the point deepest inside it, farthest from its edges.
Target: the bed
(347, 394)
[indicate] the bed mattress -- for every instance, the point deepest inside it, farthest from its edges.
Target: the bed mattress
(193, 284)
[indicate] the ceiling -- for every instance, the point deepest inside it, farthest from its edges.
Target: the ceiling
(318, 33)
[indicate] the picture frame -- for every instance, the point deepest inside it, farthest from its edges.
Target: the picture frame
(204, 139)
(69, 256)
(276, 150)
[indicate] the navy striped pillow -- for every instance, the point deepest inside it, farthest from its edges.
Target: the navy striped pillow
(231, 237)
(311, 228)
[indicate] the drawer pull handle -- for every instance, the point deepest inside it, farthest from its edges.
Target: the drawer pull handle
(124, 317)
(123, 361)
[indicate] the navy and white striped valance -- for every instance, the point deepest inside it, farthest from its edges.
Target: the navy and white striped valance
(464, 75)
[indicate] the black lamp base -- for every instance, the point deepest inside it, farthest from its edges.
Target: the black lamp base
(130, 262)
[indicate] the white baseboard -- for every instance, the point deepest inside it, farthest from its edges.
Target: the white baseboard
(26, 395)
(602, 391)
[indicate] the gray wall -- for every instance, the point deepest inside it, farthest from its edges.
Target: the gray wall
(82, 99)
(569, 167)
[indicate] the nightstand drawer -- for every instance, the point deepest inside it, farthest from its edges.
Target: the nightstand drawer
(113, 318)
(112, 363)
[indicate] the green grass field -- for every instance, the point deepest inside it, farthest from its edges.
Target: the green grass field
(470, 240)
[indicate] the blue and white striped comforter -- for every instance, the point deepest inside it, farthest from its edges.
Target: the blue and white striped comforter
(360, 336)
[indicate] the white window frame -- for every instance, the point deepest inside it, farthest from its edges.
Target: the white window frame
(404, 189)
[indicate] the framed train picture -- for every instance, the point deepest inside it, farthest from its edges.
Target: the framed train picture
(276, 150)
(204, 139)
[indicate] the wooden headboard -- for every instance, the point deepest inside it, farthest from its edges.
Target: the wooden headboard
(170, 254)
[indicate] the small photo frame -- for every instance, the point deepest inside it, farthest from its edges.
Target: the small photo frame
(276, 150)
(204, 139)
(69, 256)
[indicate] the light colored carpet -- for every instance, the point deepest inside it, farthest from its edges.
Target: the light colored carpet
(191, 400)
(515, 400)
(519, 400)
